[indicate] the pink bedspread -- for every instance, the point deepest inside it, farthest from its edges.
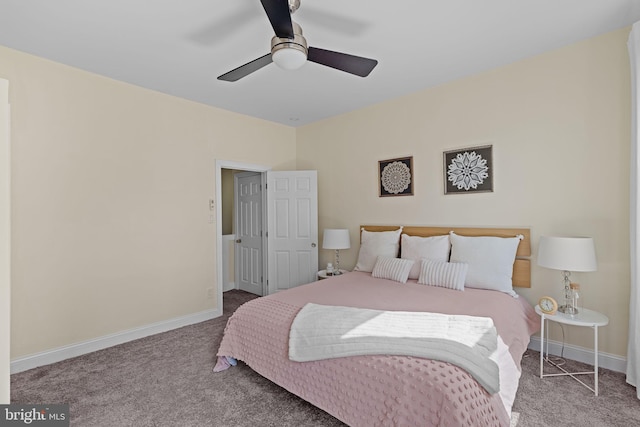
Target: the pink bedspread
(384, 390)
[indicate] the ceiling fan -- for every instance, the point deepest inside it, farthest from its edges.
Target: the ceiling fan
(289, 48)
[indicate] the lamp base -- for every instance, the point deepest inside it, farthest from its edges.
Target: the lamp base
(568, 309)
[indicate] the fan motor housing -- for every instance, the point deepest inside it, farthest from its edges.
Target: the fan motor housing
(298, 42)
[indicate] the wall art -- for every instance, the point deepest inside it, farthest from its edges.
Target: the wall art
(395, 177)
(469, 170)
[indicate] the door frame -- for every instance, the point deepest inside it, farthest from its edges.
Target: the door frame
(5, 243)
(247, 167)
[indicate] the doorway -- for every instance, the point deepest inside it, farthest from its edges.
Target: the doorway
(286, 245)
(225, 199)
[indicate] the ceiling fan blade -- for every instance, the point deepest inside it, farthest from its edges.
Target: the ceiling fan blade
(216, 30)
(341, 61)
(280, 17)
(246, 69)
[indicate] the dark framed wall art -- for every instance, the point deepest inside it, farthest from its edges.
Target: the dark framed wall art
(395, 177)
(469, 170)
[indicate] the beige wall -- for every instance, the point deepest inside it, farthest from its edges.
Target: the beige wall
(111, 182)
(110, 190)
(228, 200)
(5, 240)
(559, 124)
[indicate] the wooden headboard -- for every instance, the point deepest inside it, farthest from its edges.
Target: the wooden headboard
(522, 266)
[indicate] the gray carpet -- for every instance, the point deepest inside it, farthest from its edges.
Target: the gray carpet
(167, 380)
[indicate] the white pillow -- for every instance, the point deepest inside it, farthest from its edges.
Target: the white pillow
(449, 275)
(490, 260)
(418, 248)
(374, 244)
(392, 268)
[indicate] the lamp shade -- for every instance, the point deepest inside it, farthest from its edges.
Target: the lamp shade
(567, 253)
(336, 238)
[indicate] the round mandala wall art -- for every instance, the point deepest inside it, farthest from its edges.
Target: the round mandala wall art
(468, 170)
(396, 177)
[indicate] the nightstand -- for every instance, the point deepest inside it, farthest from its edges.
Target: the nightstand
(585, 318)
(322, 274)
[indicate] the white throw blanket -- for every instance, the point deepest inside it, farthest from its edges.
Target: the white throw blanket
(323, 332)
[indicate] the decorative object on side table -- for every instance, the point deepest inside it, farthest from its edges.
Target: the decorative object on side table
(567, 254)
(548, 305)
(468, 170)
(323, 274)
(395, 177)
(336, 238)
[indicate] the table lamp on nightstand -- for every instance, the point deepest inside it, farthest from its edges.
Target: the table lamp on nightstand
(336, 238)
(567, 254)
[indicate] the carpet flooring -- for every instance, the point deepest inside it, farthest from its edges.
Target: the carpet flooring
(167, 380)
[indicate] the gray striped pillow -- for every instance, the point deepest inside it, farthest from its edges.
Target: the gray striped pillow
(392, 268)
(449, 275)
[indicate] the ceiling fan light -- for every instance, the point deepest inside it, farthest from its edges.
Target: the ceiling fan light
(289, 57)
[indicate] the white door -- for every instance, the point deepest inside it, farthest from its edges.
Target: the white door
(249, 220)
(292, 199)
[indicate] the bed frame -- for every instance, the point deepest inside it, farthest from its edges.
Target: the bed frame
(521, 267)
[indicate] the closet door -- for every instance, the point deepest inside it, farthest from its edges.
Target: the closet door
(249, 234)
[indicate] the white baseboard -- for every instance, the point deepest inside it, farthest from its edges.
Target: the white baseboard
(581, 354)
(78, 349)
(229, 286)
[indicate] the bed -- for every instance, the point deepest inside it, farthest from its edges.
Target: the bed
(398, 389)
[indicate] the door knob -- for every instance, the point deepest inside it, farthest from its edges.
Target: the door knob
(239, 241)
(313, 245)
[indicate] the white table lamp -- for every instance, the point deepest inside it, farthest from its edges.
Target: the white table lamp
(336, 238)
(567, 254)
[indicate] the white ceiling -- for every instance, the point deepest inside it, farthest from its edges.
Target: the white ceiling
(179, 47)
